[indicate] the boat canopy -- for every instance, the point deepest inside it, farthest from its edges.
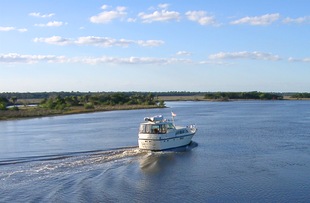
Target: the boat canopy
(158, 118)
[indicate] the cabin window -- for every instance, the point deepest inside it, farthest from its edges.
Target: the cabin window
(153, 129)
(181, 131)
(142, 129)
(145, 129)
(162, 129)
(169, 126)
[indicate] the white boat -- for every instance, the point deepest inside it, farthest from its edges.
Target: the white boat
(157, 133)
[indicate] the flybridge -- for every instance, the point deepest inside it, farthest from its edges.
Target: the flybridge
(154, 119)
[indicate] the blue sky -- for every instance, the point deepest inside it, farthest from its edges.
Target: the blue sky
(133, 45)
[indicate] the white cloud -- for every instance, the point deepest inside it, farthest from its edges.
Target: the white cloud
(103, 7)
(39, 15)
(305, 60)
(245, 55)
(258, 20)
(7, 29)
(99, 41)
(300, 20)
(129, 60)
(102, 41)
(150, 43)
(163, 6)
(56, 40)
(51, 24)
(211, 62)
(161, 16)
(108, 16)
(200, 17)
(12, 58)
(22, 30)
(131, 20)
(183, 53)
(119, 60)
(30, 59)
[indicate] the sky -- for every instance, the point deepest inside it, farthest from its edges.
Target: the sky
(169, 45)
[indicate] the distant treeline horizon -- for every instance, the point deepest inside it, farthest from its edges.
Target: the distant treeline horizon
(210, 94)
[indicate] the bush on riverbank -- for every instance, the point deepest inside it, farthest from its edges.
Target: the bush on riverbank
(301, 95)
(3, 103)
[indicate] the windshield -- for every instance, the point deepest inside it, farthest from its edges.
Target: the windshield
(154, 128)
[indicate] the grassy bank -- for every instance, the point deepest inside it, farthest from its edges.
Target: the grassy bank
(34, 112)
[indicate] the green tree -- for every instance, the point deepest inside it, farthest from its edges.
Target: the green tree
(14, 100)
(71, 101)
(161, 104)
(3, 103)
(150, 99)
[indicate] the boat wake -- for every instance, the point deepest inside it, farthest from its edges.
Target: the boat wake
(62, 156)
(71, 163)
(94, 156)
(88, 157)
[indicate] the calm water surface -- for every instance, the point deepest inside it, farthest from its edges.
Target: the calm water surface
(245, 151)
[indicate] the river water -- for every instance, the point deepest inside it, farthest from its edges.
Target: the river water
(244, 151)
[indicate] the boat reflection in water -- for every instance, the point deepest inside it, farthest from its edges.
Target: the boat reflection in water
(157, 161)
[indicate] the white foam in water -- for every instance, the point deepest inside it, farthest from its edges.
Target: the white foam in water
(70, 164)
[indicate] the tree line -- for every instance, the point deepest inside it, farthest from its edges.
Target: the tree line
(243, 95)
(43, 95)
(301, 95)
(231, 95)
(40, 95)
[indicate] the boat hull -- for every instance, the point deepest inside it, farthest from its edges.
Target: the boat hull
(164, 144)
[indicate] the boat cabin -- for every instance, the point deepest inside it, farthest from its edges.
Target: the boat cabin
(156, 125)
(156, 128)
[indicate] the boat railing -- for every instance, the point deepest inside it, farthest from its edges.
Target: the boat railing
(192, 126)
